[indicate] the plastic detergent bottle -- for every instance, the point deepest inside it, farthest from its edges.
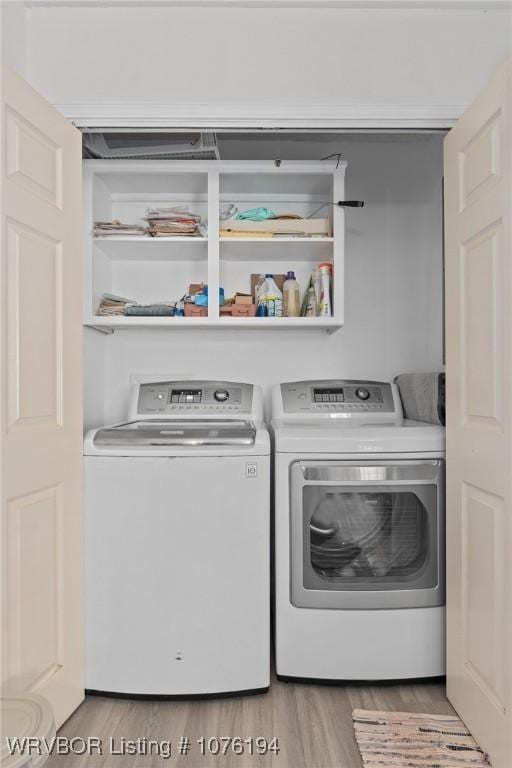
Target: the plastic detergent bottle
(325, 309)
(316, 279)
(257, 289)
(311, 305)
(270, 296)
(291, 296)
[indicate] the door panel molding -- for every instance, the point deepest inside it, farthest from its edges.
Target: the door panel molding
(34, 285)
(35, 547)
(481, 336)
(483, 593)
(480, 161)
(26, 143)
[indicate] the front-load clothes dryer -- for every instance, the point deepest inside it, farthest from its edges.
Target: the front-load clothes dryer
(177, 543)
(359, 534)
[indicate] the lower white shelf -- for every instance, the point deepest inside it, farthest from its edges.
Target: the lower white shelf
(329, 324)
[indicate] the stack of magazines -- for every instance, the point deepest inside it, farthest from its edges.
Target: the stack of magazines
(116, 228)
(169, 222)
(113, 305)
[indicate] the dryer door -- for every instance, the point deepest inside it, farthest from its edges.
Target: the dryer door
(367, 536)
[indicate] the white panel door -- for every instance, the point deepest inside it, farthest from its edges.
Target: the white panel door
(478, 207)
(41, 406)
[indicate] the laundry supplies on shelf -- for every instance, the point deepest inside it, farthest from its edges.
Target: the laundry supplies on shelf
(291, 296)
(201, 296)
(317, 300)
(228, 225)
(270, 298)
(280, 296)
(325, 308)
(311, 303)
(316, 281)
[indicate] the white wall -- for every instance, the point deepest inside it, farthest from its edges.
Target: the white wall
(95, 393)
(13, 18)
(393, 288)
(262, 60)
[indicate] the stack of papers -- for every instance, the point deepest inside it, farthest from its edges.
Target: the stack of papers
(116, 228)
(113, 305)
(166, 222)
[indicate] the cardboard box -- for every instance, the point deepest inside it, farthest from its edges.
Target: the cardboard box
(193, 310)
(238, 310)
(243, 310)
(243, 298)
(195, 288)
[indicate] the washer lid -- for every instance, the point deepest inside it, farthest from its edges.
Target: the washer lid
(178, 432)
(24, 716)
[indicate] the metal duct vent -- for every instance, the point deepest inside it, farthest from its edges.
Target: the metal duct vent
(151, 146)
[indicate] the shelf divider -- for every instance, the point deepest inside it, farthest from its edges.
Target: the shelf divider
(213, 244)
(338, 230)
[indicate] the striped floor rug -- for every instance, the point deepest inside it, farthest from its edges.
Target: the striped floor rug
(407, 740)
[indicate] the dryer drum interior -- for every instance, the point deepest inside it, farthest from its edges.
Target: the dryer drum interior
(367, 535)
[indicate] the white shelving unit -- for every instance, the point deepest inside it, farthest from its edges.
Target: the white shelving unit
(156, 269)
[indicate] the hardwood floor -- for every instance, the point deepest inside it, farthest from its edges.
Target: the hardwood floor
(313, 724)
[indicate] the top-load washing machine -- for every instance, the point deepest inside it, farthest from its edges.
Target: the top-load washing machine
(177, 505)
(359, 527)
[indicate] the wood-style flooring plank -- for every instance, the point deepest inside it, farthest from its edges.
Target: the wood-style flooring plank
(313, 724)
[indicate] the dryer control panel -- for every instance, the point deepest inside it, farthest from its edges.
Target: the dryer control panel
(188, 398)
(343, 396)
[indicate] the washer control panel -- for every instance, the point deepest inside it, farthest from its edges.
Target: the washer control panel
(343, 396)
(194, 397)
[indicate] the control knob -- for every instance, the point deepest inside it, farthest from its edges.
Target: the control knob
(221, 395)
(362, 393)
